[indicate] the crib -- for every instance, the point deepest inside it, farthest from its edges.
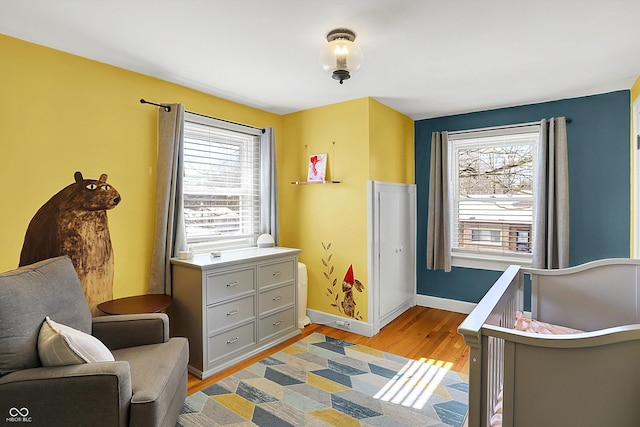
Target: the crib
(591, 378)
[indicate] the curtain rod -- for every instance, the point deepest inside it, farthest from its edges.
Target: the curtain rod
(167, 108)
(517, 125)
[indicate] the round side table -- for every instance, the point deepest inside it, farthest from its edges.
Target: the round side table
(152, 303)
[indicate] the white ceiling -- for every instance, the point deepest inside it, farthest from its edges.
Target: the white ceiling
(424, 58)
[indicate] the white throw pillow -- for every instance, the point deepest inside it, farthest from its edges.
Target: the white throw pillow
(60, 345)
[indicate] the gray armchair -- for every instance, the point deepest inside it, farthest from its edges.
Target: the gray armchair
(146, 385)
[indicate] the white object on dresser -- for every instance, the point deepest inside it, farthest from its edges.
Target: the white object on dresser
(234, 306)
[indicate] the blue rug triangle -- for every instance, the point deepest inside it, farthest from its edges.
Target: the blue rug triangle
(253, 395)
(383, 372)
(352, 409)
(215, 390)
(460, 386)
(452, 413)
(263, 418)
(280, 378)
(341, 343)
(334, 376)
(344, 369)
(331, 347)
(270, 361)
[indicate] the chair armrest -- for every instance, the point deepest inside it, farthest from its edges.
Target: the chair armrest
(130, 330)
(96, 394)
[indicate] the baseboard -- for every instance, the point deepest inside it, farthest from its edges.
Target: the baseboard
(390, 317)
(357, 326)
(366, 329)
(445, 304)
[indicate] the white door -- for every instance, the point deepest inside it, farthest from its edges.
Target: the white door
(396, 265)
(392, 250)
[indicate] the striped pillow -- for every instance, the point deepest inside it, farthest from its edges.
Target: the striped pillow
(60, 345)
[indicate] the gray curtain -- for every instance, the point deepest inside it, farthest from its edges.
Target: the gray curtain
(439, 219)
(169, 235)
(551, 222)
(268, 185)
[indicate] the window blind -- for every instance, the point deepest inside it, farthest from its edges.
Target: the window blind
(221, 186)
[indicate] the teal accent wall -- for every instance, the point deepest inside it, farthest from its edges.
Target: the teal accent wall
(599, 183)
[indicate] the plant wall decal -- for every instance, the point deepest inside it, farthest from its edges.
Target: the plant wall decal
(332, 291)
(348, 304)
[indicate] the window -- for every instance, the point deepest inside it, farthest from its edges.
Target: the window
(486, 236)
(221, 187)
(492, 193)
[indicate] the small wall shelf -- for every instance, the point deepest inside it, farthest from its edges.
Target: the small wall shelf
(314, 182)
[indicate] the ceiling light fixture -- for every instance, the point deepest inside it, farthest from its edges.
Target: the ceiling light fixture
(341, 56)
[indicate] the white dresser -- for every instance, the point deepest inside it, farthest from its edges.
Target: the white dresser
(234, 306)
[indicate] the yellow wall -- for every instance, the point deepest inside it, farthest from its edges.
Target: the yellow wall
(391, 139)
(635, 90)
(364, 140)
(60, 113)
(334, 213)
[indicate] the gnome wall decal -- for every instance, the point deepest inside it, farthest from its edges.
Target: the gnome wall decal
(348, 304)
(348, 284)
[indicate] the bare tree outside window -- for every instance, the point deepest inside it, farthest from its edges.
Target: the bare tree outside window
(496, 170)
(493, 193)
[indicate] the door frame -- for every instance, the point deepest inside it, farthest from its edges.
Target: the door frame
(373, 236)
(635, 152)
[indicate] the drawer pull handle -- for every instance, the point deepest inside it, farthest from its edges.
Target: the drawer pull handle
(276, 273)
(233, 340)
(230, 284)
(277, 323)
(232, 312)
(278, 298)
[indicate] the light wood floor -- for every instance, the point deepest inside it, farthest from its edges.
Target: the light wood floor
(418, 332)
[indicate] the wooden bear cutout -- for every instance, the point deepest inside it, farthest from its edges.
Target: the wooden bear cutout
(74, 223)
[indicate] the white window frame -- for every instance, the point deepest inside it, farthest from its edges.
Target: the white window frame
(476, 258)
(247, 238)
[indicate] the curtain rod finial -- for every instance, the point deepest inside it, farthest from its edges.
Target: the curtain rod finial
(167, 108)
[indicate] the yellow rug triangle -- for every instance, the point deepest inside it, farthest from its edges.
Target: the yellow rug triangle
(237, 404)
(324, 384)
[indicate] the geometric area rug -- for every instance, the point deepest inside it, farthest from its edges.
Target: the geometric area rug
(323, 381)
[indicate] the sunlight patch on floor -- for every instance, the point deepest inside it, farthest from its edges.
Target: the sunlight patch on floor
(414, 384)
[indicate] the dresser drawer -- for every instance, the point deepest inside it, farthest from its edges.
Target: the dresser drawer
(276, 323)
(276, 298)
(228, 313)
(225, 285)
(231, 341)
(276, 273)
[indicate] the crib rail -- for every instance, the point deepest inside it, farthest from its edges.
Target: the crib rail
(601, 298)
(486, 372)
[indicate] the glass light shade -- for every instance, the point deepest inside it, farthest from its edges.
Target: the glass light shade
(341, 55)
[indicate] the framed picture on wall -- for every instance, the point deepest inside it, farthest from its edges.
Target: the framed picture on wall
(317, 167)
